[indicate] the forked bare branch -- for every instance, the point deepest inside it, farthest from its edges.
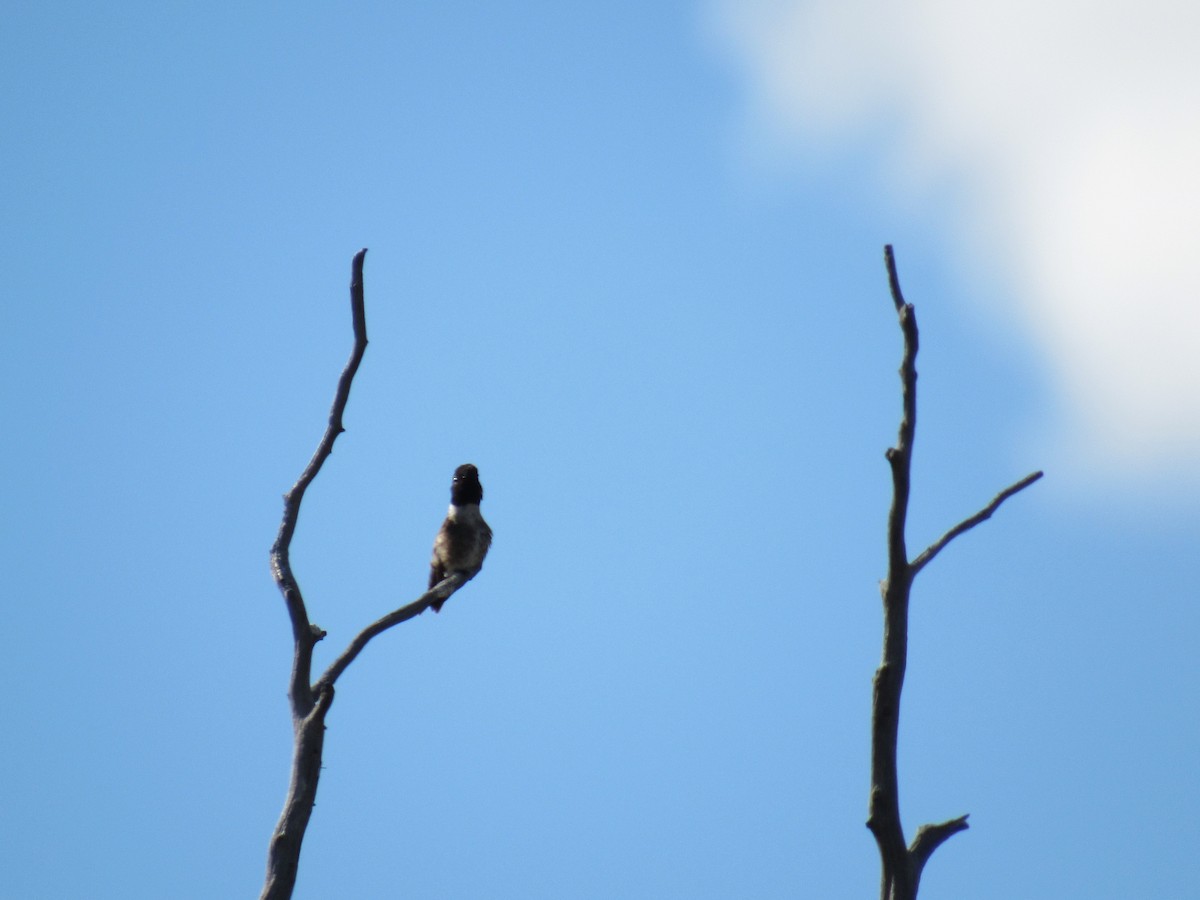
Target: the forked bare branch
(901, 865)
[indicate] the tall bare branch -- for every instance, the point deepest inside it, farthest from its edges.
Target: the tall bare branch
(901, 865)
(304, 634)
(309, 707)
(310, 702)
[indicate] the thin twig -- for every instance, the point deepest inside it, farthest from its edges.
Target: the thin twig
(440, 591)
(889, 259)
(967, 524)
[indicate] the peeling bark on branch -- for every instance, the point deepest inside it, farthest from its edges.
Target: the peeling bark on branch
(902, 864)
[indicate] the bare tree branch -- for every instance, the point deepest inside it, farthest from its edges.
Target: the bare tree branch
(309, 706)
(889, 260)
(310, 703)
(900, 865)
(440, 591)
(304, 634)
(283, 853)
(929, 838)
(967, 524)
(884, 812)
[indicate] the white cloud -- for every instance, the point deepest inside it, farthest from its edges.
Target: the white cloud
(1074, 129)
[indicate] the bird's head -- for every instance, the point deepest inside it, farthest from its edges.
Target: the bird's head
(465, 487)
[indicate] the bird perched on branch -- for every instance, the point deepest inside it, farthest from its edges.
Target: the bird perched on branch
(463, 540)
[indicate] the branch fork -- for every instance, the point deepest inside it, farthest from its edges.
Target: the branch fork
(902, 864)
(310, 701)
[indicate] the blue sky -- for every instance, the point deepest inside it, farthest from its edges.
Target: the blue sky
(626, 258)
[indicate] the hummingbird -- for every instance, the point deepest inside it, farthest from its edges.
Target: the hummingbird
(463, 540)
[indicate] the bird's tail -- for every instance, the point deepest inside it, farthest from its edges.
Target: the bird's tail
(436, 575)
